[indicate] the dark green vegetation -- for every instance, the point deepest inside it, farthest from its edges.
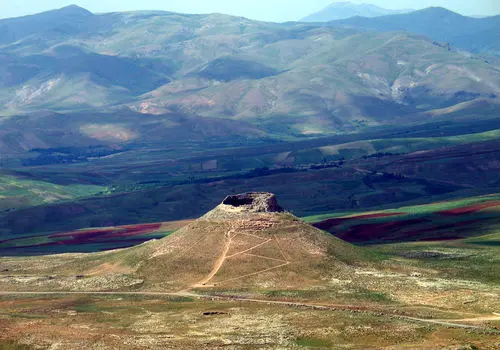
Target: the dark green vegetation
(18, 192)
(156, 190)
(81, 241)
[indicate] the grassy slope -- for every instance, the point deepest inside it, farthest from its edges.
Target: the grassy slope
(474, 258)
(406, 145)
(16, 193)
(305, 192)
(165, 202)
(410, 210)
(358, 149)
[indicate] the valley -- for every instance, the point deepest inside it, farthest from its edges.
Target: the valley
(207, 181)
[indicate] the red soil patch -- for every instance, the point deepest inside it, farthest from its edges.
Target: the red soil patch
(113, 243)
(469, 209)
(371, 232)
(331, 223)
(87, 232)
(102, 234)
(135, 230)
(402, 231)
(445, 231)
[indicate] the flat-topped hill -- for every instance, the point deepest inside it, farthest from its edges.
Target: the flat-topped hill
(246, 241)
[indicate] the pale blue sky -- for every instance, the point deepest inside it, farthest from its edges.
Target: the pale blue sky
(269, 10)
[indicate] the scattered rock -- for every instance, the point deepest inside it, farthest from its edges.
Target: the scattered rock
(259, 202)
(245, 204)
(214, 313)
(432, 255)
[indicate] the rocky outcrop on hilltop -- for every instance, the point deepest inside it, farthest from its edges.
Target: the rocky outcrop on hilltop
(244, 205)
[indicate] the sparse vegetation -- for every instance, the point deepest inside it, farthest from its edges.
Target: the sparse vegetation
(342, 295)
(313, 343)
(13, 346)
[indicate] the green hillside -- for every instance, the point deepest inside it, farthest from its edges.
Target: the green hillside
(16, 193)
(289, 79)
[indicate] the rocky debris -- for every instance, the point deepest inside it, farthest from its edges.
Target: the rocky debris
(214, 313)
(257, 202)
(434, 255)
(257, 224)
(72, 283)
(241, 205)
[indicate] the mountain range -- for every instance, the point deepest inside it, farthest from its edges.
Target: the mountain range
(342, 10)
(281, 80)
(477, 35)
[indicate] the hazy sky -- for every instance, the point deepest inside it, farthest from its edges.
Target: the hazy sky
(269, 10)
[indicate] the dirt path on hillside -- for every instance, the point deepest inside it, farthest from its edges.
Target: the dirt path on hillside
(223, 257)
(220, 260)
(332, 307)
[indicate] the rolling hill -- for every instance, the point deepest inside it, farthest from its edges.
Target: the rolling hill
(342, 10)
(113, 124)
(363, 183)
(153, 104)
(290, 80)
(94, 134)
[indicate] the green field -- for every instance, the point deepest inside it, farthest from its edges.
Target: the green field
(16, 193)
(451, 220)
(410, 210)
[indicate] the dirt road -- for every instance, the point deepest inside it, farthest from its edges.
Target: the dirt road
(274, 302)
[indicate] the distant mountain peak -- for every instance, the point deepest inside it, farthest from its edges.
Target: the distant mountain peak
(439, 11)
(346, 9)
(350, 4)
(341, 3)
(74, 10)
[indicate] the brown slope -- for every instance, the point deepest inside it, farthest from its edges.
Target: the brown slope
(254, 246)
(245, 246)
